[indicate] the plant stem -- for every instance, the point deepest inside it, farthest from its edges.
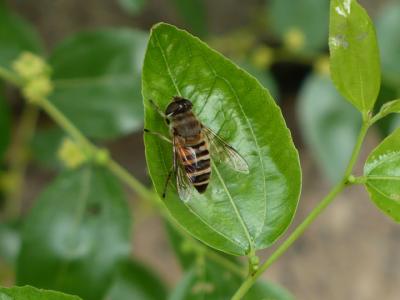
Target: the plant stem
(64, 123)
(18, 160)
(9, 76)
(337, 189)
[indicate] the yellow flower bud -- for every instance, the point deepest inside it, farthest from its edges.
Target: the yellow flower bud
(37, 89)
(71, 154)
(28, 66)
(322, 66)
(262, 57)
(294, 39)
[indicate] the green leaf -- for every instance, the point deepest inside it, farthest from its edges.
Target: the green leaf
(77, 233)
(16, 35)
(286, 16)
(382, 171)
(97, 81)
(390, 107)
(133, 7)
(210, 282)
(355, 66)
(387, 25)
(45, 145)
(135, 281)
(32, 293)
(237, 210)
(193, 13)
(5, 123)
(329, 124)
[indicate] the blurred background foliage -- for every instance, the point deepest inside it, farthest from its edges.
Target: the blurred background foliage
(96, 60)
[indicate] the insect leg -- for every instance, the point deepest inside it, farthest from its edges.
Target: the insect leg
(158, 109)
(167, 181)
(172, 170)
(158, 135)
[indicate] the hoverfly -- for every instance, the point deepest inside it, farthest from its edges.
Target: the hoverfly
(194, 145)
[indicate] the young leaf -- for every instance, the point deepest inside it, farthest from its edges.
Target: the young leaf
(355, 66)
(238, 211)
(97, 81)
(16, 35)
(329, 124)
(390, 107)
(382, 171)
(4, 123)
(76, 234)
(387, 25)
(135, 281)
(193, 13)
(32, 293)
(210, 282)
(287, 16)
(133, 7)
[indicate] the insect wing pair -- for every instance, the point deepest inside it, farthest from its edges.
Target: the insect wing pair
(193, 146)
(219, 150)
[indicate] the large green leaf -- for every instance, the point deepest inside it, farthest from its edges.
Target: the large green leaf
(97, 81)
(135, 281)
(355, 65)
(300, 16)
(211, 282)
(329, 124)
(16, 35)
(4, 123)
(387, 25)
(382, 171)
(76, 234)
(32, 293)
(238, 209)
(193, 13)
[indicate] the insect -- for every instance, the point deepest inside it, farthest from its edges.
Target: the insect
(194, 145)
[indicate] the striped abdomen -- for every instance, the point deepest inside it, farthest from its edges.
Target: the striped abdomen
(197, 165)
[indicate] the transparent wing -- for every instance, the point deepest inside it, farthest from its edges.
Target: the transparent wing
(223, 152)
(183, 183)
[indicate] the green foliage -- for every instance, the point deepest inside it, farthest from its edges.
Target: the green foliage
(97, 81)
(45, 145)
(31, 293)
(288, 18)
(133, 7)
(4, 123)
(76, 234)
(209, 281)
(382, 171)
(16, 35)
(135, 281)
(329, 124)
(355, 65)
(387, 26)
(238, 211)
(193, 13)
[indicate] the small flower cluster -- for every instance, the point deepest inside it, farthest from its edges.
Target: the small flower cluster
(35, 75)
